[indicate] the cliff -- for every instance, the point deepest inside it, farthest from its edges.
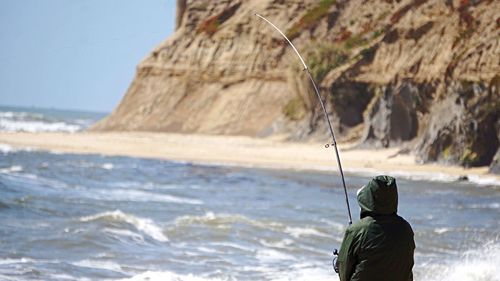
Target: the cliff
(424, 74)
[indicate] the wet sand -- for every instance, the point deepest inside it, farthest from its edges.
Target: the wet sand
(243, 151)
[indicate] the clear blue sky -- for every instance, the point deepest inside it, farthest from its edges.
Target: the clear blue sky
(76, 54)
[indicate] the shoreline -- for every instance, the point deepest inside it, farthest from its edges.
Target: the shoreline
(241, 151)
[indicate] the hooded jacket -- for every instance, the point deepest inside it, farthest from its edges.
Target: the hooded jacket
(380, 246)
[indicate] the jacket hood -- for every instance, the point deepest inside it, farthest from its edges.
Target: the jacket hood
(379, 196)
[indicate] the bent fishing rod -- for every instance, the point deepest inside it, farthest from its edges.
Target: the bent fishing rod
(334, 142)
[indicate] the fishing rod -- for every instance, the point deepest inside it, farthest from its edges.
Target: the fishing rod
(334, 142)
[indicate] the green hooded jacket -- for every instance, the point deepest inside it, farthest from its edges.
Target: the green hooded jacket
(380, 246)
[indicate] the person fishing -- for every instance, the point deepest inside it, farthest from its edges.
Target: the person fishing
(380, 245)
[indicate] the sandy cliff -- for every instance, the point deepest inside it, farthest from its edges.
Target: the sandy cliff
(424, 74)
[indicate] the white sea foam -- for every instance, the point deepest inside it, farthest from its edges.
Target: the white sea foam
(484, 206)
(7, 125)
(430, 176)
(476, 265)
(270, 256)
(298, 232)
(170, 276)
(142, 196)
(442, 230)
(117, 233)
(305, 272)
(222, 220)
(15, 261)
(283, 244)
(5, 148)
(142, 224)
(60, 276)
(146, 185)
(99, 264)
(107, 166)
(12, 169)
(234, 246)
(484, 180)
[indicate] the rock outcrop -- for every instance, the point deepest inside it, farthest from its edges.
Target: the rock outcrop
(423, 73)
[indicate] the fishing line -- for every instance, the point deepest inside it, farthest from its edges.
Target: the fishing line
(334, 142)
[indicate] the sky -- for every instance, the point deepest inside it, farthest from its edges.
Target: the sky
(70, 54)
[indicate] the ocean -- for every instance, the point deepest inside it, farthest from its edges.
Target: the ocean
(93, 217)
(24, 119)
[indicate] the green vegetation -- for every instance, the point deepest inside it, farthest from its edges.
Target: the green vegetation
(355, 41)
(324, 58)
(377, 33)
(446, 153)
(469, 158)
(295, 109)
(311, 18)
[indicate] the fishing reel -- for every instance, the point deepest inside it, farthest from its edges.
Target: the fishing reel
(329, 144)
(335, 262)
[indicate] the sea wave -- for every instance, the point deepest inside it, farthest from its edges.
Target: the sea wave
(12, 169)
(15, 261)
(5, 148)
(124, 233)
(297, 272)
(37, 126)
(483, 180)
(475, 265)
(145, 225)
(99, 264)
(35, 122)
(143, 196)
(298, 232)
(270, 256)
(222, 220)
(171, 276)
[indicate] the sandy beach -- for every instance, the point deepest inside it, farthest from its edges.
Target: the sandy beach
(245, 152)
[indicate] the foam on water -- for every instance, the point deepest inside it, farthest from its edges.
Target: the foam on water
(5, 148)
(422, 176)
(142, 224)
(442, 230)
(11, 121)
(107, 166)
(15, 261)
(99, 264)
(37, 126)
(484, 206)
(170, 276)
(12, 169)
(234, 246)
(270, 256)
(142, 196)
(298, 232)
(283, 244)
(475, 265)
(119, 233)
(306, 272)
(211, 218)
(484, 180)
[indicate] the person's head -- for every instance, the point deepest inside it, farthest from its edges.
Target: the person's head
(378, 196)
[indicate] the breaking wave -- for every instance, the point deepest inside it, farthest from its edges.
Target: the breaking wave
(474, 265)
(98, 264)
(33, 122)
(211, 218)
(170, 276)
(142, 224)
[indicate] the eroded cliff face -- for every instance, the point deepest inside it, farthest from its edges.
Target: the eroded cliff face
(423, 73)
